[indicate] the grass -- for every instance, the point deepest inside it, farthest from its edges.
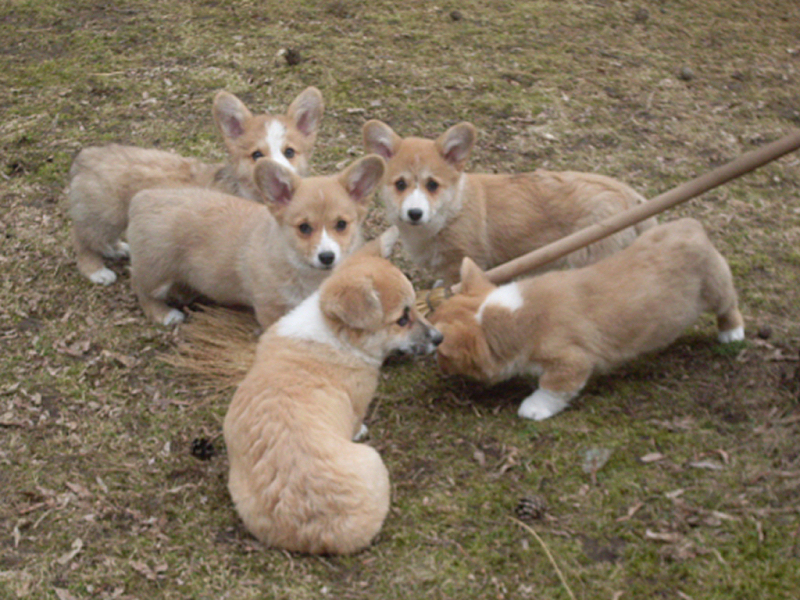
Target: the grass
(101, 496)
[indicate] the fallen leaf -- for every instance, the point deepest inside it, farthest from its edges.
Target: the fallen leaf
(143, 570)
(63, 594)
(706, 464)
(595, 459)
(669, 537)
(652, 457)
(631, 511)
(77, 546)
(79, 489)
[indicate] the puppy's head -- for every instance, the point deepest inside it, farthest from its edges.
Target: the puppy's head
(320, 217)
(287, 139)
(465, 350)
(422, 176)
(370, 304)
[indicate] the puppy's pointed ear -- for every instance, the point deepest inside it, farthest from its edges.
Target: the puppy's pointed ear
(455, 145)
(381, 246)
(380, 139)
(362, 177)
(306, 111)
(473, 280)
(230, 115)
(353, 302)
(277, 183)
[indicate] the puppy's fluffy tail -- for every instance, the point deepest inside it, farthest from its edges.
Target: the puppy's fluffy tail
(331, 504)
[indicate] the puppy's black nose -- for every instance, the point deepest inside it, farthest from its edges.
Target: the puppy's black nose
(326, 258)
(415, 214)
(436, 337)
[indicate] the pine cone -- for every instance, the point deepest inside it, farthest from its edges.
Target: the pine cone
(203, 449)
(531, 508)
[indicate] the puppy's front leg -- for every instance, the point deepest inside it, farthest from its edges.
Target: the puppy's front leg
(544, 403)
(361, 434)
(559, 383)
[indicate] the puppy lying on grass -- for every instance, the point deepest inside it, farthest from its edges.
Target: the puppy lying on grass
(297, 479)
(563, 326)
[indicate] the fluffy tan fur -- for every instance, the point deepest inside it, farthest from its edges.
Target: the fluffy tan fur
(563, 326)
(297, 479)
(241, 253)
(445, 214)
(104, 179)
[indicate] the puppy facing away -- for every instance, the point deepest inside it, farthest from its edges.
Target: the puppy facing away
(445, 214)
(104, 179)
(238, 252)
(563, 326)
(297, 478)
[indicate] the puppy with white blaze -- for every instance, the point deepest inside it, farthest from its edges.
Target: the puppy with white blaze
(297, 478)
(103, 179)
(444, 213)
(237, 252)
(563, 326)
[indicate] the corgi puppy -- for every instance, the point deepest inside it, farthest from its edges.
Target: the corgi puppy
(234, 251)
(445, 214)
(563, 326)
(104, 179)
(297, 478)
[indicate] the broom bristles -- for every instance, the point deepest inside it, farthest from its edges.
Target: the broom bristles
(429, 300)
(217, 348)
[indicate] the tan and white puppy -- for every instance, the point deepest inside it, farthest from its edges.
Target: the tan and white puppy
(563, 326)
(238, 252)
(445, 214)
(297, 478)
(103, 179)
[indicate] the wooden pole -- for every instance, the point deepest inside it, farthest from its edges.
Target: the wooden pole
(555, 250)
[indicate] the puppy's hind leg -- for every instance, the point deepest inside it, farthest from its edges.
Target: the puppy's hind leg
(723, 301)
(731, 326)
(90, 262)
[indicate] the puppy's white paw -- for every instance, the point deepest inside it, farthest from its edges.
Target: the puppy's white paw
(732, 335)
(104, 276)
(174, 317)
(362, 433)
(543, 404)
(123, 250)
(117, 250)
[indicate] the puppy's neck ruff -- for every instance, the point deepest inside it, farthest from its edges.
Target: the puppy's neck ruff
(306, 322)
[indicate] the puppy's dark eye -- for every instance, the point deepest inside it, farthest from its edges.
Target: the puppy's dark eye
(289, 153)
(400, 185)
(341, 225)
(405, 319)
(305, 228)
(431, 185)
(257, 154)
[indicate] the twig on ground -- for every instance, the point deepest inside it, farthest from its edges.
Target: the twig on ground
(532, 531)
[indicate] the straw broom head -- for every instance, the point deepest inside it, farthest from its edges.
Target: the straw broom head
(218, 346)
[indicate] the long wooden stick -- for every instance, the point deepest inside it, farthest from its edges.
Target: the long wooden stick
(736, 168)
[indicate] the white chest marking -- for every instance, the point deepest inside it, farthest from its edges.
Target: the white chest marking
(276, 136)
(506, 296)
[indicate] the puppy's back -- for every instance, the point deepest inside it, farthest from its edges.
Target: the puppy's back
(297, 480)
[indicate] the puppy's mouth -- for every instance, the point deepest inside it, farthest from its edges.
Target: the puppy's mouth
(424, 347)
